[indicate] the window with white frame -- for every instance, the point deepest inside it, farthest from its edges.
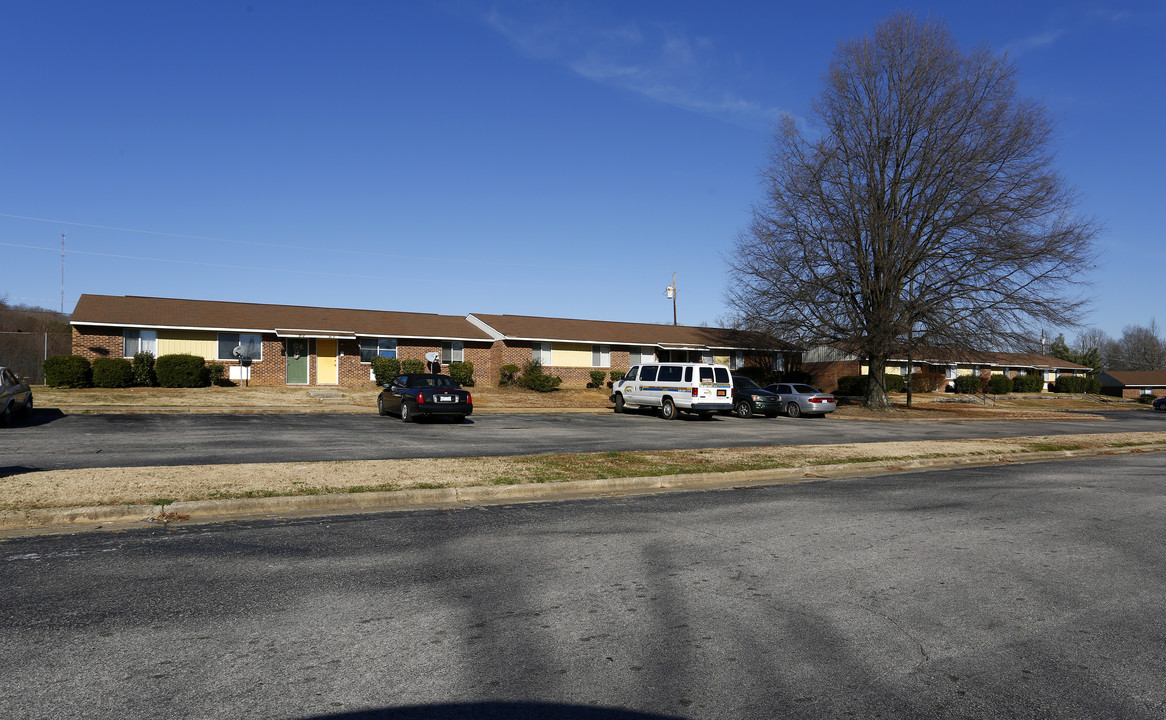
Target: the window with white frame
(136, 341)
(541, 353)
(452, 351)
(738, 360)
(600, 356)
(247, 344)
(645, 354)
(371, 347)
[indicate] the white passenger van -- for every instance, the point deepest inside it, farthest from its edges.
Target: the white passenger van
(675, 388)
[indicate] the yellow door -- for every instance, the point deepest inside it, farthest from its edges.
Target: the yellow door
(327, 372)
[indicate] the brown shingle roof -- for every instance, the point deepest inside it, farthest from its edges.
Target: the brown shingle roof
(525, 327)
(135, 311)
(942, 355)
(1134, 378)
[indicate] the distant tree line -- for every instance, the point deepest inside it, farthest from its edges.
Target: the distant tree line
(1140, 347)
(30, 334)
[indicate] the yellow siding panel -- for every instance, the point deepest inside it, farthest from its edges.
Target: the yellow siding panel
(721, 359)
(188, 342)
(571, 355)
(964, 371)
(864, 369)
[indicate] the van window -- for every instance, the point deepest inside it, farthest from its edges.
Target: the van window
(706, 374)
(688, 374)
(631, 374)
(648, 373)
(670, 373)
(722, 375)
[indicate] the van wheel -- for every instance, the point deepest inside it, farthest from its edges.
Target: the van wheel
(619, 403)
(793, 410)
(744, 409)
(668, 409)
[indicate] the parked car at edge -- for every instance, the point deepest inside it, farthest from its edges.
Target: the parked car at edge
(751, 399)
(1160, 403)
(15, 396)
(412, 396)
(797, 399)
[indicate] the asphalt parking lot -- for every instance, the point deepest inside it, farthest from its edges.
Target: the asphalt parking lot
(49, 440)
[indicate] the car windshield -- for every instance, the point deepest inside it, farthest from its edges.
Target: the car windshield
(744, 382)
(805, 390)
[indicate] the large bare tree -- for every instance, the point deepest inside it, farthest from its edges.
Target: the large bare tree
(921, 205)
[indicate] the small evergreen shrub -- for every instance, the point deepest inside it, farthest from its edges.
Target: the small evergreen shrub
(112, 373)
(617, 375)
(412, 367)
(68, 371)
(851, 385)
(533, 378)
(928, 382)
(597, 378)
(182, 371)
(509, 375)
(1075, 384)
(143, 366)
(895, 383)
(967, 384)
(216, 372)
(1146, 399)
(1027, 384)
(1000, 385)
(462, 373)
(385, 370)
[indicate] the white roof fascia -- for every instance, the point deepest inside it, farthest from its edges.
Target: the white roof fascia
(156, 326)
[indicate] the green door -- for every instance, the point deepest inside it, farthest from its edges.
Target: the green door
(297, 362)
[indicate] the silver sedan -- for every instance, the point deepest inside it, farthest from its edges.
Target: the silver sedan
(15, 396)
(795, 399)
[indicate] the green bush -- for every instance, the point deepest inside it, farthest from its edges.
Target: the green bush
(112, 373)
(143, 366)
(1076, 384)
(1027, 384)
(1146, 399)
(509, 375)
(617, 375)
(462, 373)
(182, 371)
(216, 372)
(967, 384)
(385, 370)
(851, 385)
(597, 378)
(533, 378)
(68, 371)
(412, 367)
(1000, 385)
(895, 383)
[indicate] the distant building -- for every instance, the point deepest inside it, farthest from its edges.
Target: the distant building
(1133, 384)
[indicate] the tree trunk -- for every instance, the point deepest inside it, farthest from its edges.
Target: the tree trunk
(876, 390)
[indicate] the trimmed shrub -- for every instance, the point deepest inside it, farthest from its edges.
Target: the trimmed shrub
(68, 371)
(1074, 384)
(182, 371)
(852, 385)
(597, 378)
(143, 366)
(385, 370)
(967, 384)
(112, 373)
(1000, 385)
(412, 367)
(895, 383)
(617, 375)
(1027, 384)
(462, 373)
(928, 381)
(533, 378)
(509, 375)
(1146, 399)
(216, 372)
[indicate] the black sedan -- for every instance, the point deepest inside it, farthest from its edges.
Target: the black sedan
(411, 396)
(1160, 403)
(751, 399)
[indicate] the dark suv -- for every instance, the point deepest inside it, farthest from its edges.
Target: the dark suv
(751, 399)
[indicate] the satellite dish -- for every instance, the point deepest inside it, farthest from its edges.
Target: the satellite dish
(431, 356)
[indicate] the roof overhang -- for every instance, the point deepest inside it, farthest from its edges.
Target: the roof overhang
(319, 334)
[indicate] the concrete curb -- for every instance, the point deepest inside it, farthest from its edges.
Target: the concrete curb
(202, 511)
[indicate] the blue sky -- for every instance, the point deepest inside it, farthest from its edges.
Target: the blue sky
(538, 158)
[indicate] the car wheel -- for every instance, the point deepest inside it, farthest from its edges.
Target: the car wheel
(27, 405)
(793, 410)
(381, 406)
(406, 412)
(668, 409)
(619, 403)
(743, 409)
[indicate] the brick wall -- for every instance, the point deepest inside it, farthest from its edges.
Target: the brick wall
(824, 375)
(92, 343)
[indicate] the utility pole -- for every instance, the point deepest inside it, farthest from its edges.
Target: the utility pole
(671, 292)
(62, 273)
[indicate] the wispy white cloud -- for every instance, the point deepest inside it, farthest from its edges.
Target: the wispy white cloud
(1039, 41)
(654, 60)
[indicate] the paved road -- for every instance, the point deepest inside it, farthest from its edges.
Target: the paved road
(1031, 591)
(51, 442)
